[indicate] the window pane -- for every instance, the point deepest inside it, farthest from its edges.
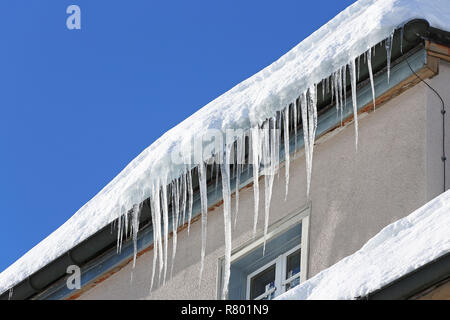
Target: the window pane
(262, 282)
(293, 268)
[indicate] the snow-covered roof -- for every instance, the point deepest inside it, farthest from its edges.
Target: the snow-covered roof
(349, 34)
(395, 251)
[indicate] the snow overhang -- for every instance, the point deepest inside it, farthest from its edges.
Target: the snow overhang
(402, 260)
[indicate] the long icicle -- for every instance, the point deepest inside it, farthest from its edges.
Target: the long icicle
(226, 194)
(256, 147)
(175, 220)
(309, 119)
(191, 199)
(165, 209)
(134, 230)
(155, 237)
(286, 149)
(269, 170)
(160, 235)
(240, 152)
(156, 222)
(344, 85)
(341, 107)
(204, 206)
(183, 203)
(277, 127)
(304, 108)
(355, 104)
(119, 228)
(295, 126)
(312, 121)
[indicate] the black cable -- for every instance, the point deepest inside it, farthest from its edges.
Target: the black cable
(443, 158)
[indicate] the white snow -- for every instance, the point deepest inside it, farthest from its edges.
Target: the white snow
(246, 106)
(398, 249)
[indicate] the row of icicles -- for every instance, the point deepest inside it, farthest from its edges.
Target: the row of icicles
(263, 149)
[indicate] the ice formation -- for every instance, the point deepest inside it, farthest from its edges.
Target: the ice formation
(256, 107)
(398, 249)
(286, 148)
(226, 190)
(368, 54)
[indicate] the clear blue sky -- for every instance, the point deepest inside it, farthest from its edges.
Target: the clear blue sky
(78, 105)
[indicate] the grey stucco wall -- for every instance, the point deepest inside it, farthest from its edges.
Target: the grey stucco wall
(354, 195)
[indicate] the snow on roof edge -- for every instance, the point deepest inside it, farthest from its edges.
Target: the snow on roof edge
(349, 34)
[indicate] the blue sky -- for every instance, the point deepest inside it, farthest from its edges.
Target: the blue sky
(76, 106)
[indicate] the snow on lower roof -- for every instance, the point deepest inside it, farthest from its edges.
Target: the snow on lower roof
(395, 251)
(348, 35)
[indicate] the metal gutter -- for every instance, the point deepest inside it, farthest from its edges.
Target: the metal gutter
(415, 282)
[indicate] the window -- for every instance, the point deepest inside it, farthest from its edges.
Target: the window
(276, 277)
(259, 275)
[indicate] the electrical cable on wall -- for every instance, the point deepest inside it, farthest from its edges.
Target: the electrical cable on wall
(443, 111)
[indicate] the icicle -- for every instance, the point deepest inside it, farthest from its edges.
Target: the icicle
(123, 226)
(157, 236)
(303, 105)
(125, 216)
(309, 117)
(355, 104)
(269, 159)
(389, 53)
(119, 228)
(10, 293)
(323, 89)
(344, 86)
(401, 40)
(332, 87)
(312, 114)
(286, 149)
(359, 66)
(134, 230)
(217, 175)
(277, 143)
(240, 152)
(191, 199)
(175, 220)
(369, 64)
(204, 206)
(165, 207)
(183, 204)
(256, 147)
(337, 94)
(226, 194)
(295, 126)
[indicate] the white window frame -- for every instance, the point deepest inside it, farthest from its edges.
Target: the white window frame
(277, 228)
(280, 274)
